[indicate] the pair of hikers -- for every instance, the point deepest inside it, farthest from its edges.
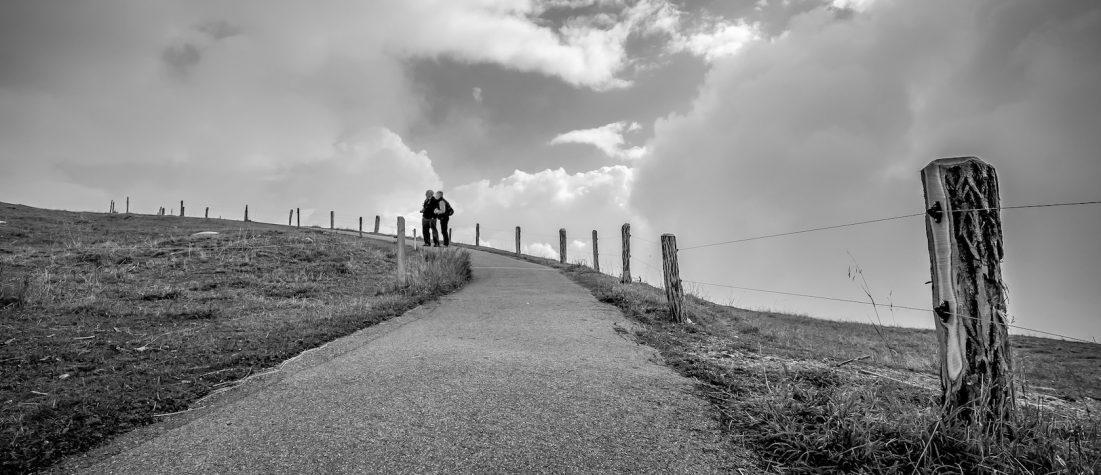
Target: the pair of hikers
(435, 209)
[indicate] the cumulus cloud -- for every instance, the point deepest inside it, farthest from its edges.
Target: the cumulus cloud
(830, 122)
(543, 202)
(608, 138)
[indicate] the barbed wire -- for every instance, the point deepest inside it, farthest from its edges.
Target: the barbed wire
(801, 231)
(878, 220)
(876, 304)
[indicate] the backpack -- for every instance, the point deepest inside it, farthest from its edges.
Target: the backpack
(450, 209)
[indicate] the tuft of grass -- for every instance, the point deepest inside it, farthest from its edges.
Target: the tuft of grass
(111, 320)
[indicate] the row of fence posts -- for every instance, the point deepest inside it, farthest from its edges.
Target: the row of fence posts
(963, 229)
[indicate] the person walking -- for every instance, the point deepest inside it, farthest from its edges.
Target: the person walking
(443, 214)
(428, 219)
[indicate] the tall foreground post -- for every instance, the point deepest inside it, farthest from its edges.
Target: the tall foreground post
(596, 253)
(674, 293)
(332, 219)
(517, 240)
(127, 205)
(206, 212)
(401, 250)
(377, 218)
(298, 217)
(562, 245)
(625, 243)
(246, 213)
(964, 228)
(181, 209)
(477, 234)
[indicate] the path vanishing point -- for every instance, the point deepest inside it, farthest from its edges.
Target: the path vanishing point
(521, 371)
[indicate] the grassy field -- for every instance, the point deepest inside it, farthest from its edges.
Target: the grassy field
(813, 396)
(109, 321)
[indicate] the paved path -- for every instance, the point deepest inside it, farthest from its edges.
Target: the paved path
(521, 371)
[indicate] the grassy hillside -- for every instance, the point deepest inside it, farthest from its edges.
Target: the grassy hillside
(108, 321)
(812, 396)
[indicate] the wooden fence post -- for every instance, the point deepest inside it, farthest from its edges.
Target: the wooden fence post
(127, 205)
(206, 212)
(111, 209)
(181, 209)
(517, 240)
(562, 246)
(596, 252)
(290, 218)
(298, 217)
(965, 250)
(477, 234)
(332, 219)
(625, 243)
(401, 250)
(450, 235)
(376, 223)
(674, 293)
(361, 226)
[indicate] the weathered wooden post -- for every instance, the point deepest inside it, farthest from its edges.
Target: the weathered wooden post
(450, 235)
(674, 293)
(625, 243)
(376, 223)
(206, 213)
(517, 240)
(477, 235)
(127, 205)
(361, 226)
(562, 246)
(596, 252)
(401, 250)
(181, 209)
(111, 208)
(298, 217)
(332, 219)
(246, 213)
(964, 229)
(290, 218)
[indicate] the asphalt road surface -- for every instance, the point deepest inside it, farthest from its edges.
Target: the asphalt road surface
(522, 371)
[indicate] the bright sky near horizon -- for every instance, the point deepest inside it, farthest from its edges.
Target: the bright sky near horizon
(711, 119)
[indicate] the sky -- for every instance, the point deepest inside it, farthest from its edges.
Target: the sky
(713, 120)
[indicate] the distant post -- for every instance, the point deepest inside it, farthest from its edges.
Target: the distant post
(111, 209)
(298, 217)
(376, 223)
(517, 240)
(477, 235)
(964, 229)
(625, 243)
(127, 205)
(332, 219)
(246, 213)
(290, 218)
(206, 213)
(181, 209)
(674, 293)
(596, 252)
(450, 235)
(361, 226)
(401, 250)
(562, 245)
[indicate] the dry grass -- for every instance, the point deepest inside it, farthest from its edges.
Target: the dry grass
(110, 320)
(784, 386)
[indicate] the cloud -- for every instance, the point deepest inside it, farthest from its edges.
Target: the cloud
(543, 202)
(830, 122)
(718, 40)
(477, 93)
(608, 138)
